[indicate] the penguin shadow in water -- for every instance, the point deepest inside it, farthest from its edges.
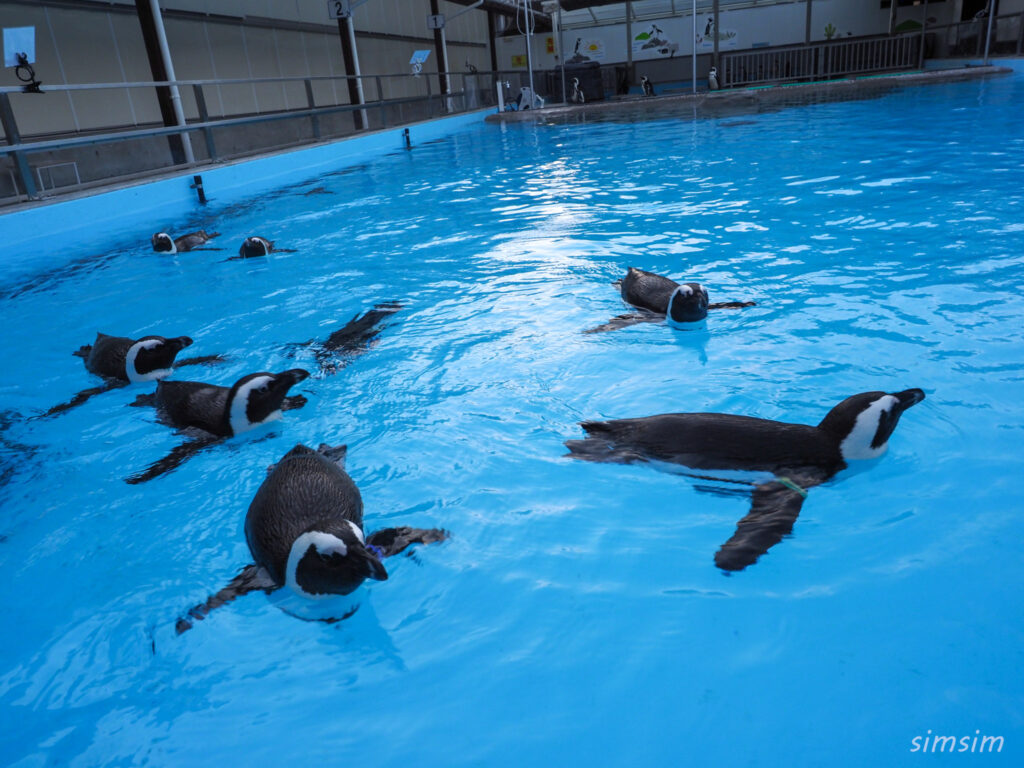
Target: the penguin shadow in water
(352, 339)
(208, 414)
(659, 298)
(121, 361)
(790, 458)
(193, 241)
(254, 247)
(304, 529)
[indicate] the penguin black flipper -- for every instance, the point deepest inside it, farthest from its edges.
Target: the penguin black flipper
(251, 578)
(774, 508)
(626, 320)
(83, 396)
(83, 351)
(144, 401)
(203, 360)
(391, 541)
(178, 456)
(732, 304)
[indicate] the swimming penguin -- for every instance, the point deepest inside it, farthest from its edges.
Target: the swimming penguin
(209, 414)
(351, 339)
(659, 298)
(304, 529)
(164, 243)
(645, 85)
(122, 361)
(257, 246)
(713, 79)
(797, 456)
(577, 92)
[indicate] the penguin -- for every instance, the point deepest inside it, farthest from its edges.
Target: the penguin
(254, 246)
(713, 79)
(577, 92)
(209, 414)
(304, 529)
(797, 456)
(645, 85)
(659, 298)
(350, 340)
(164, 243)
(121, 361)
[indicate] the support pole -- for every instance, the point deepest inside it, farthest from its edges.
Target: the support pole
(988, 34)
(147, 21)
(442, 53)
(355, 69)
(892, 16)
(694, 38)
(492, 42)
(348, 57)
(165, 54)
(715, 63)
(924, 32)
(629, 41)
(807, 33)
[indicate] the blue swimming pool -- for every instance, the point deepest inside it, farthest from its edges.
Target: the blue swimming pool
(575, 616)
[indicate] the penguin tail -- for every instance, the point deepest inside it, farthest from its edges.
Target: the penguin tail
(144, 401)
(83, 351)
(590, 449)
(251, 578)
(335, 453)
(391, 541)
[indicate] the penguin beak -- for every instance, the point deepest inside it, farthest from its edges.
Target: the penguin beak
(293, 376)
(182, 342)
(908, 398)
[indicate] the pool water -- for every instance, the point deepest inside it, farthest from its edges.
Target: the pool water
(575, 616)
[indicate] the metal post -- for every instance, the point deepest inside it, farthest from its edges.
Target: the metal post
(529, 46)
(714, 55)
(629, 41)
(165, 53)
(311, 103)
(561, 52)
(807, 33)
(924, 31)
(694, 38)
(355, 69)
(988, 34)
(14, 139)
(439, 47)
(349, 60)
(380, 99)
(204, 117)
(892, 16)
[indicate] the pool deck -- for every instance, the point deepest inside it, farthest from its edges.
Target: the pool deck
(737, 99)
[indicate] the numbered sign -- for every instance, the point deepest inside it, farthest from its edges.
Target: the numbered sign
(339, 9)
(435, 22)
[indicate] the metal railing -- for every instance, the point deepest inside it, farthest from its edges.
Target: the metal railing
(820, 61)
(130, 149)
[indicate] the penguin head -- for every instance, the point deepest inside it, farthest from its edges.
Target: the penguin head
(151, 357)
(688, 304)
(321, 563)
(256, 398)
(255, 246)
(863, 423)
(164, 243)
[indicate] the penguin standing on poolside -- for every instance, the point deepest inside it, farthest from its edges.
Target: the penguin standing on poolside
(713, 79)
(209, 414)
(304, 529)
(796, 456)
(577, 92)
(122, 361)
(646, 87)
(660, 298)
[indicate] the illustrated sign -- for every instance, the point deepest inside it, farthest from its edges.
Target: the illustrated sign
(19, 40)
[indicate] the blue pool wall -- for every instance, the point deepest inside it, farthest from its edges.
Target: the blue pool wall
(63, 231)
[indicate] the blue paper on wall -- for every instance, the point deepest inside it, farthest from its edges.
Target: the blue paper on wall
(19, 40)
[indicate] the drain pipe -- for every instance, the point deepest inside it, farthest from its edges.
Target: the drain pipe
(165, 53)
(355, 68)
